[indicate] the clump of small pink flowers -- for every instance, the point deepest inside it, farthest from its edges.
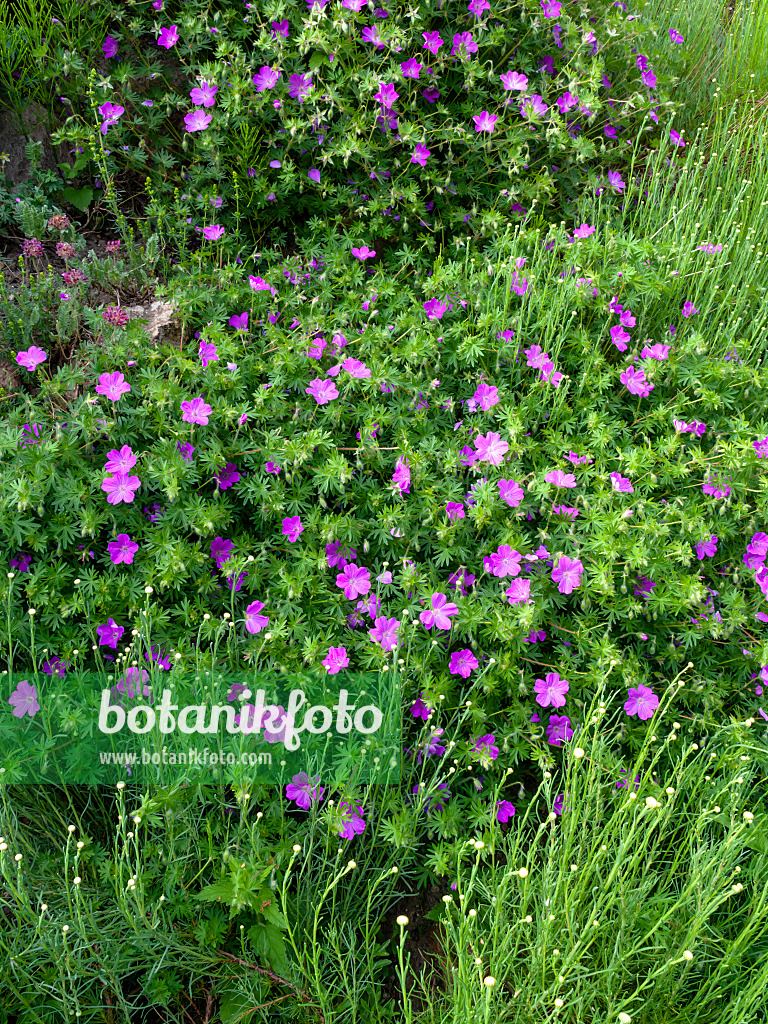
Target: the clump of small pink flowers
(115, 315)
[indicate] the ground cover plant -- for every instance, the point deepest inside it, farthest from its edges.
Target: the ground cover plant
(466, 386)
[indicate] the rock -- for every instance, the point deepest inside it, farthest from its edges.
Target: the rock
(158, 315)
(14, 143)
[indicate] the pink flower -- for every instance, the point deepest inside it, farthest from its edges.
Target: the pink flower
(168, 37)
(560, 479)
(439, 614)
(112, 386)
(455, 510)
(622, 484)
(519, 591)
(532, 106)
(676, 139)
(205, 95)
(487, 395)
(462, 663)
(109, 47)
(558, 729)
(292, 527)
(641, 701)
(584, 231)
(207, 353)
(266, 78)
(195, 411)
(364, 253)
(354, 580)
(352, 823)
(402, 475)
(689, 309)
(420, 155)
(254, 620)
(122, 550)
(567, 574)
(411, 68)
(463, 41)
(566, 102)
(485, 121)
(335, 660)
(31, 358)
(355, 368)
(120, 487)
(386, 94)
(551, 690)
(259, 284)
(675, 36)
(477, 7)
(635, 382)
(384, 632)
(564, 510)
(490, 448)
(120, 460)
(323, 391)
(432, 41)
(213, 232)
(513, 80)
(197, 121)
(511, 492)
(504, 810)
(303, 790)
(24, 700)
(657, 351)
(551, 8)
(434, 309)
(619, 337)
(314, 175)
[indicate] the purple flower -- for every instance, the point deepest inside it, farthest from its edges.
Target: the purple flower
(266, 78)
(31, 358)
(168, 37)
(335, 660)
(336, 555)
(299, 86)
(439, 614)
(323, 391)
(551, 8)
(485, 121)
(484, 746)
(213, 232)
(551, 690)
(635, 382)
(221, 551)
(434, 309)
(120, 487)
(511, 492)
(304, 791)
(364, 253)
(675, 36)
(23, 700)
(614, 180)
(385, 632)
(622, 484)
(21, 562)
(436, 802)
(227, 476)
(254, 620)
(419, 709)
(280, 28)
(557, 806)
(463, 44)
(533, 106)
(564, 510)
(558, 729)
(641, 701)
(420, 155)
(503, 562)
(707, 548)
(239, 322)
(292, 527)
(352, 823)
(55, 667)
(402, 475)
(567, 574)
(122, 550)
(195, 411)
(584, 231)
(519, 591)
(205, 95)
(112, 386)
(120, 460)
(462, 663)
(109, 634)
(432, 41)
(689, 309)
(455, 510)
(159, 657)
(513, 80)
(657, 351)
(504, 810)
(355, 368)
(185, 450)
(109, 47)
(676, 139)
(354, 580)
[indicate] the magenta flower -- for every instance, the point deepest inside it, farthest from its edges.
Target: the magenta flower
(205, 95)
(434, 309)
(419, 709)
(371, 35)
(486, 748)
(504, 562)
(676, 139)
(411, 68)
(259, 284)
(352, 823)
(111, 113)
(560, 479)
(566, 102)
(303, 790)
(226, 476)
(486, 395)
(109, 634)
(335, 660)
(213, 232)
(402, 475)
(558, 729)
(112, 386)
(551, 8)
(420, 155)
(485, 121)
(463, 44)
(620, 338)
(511, 492)
(21, 561)
(254, 620)
(477, 7)
(689, 309)
(197, 121)
(109, 47)
(195, 411)
(384, 632)
(280, 28)
(207, 353)
(707, 548)
(649, 79)
(636, 383)
(23, 700)
(567, 574)
(266, 78)
(490, 448)
(300, 86)
(323, 391)
(657, 351)
(615, 181)
(462, 663)
(120, 460)
(675, 36)
(122, 550)
(455, 510)
(432, 41)
(356, 368)
(584, 231)
(519, 591)
(335, 553)
(354, 580)
(386, 94)
(761, 448)
(551, 690)
(314, 175)
(533, 106)
(504, 810)
(364, 253)
(439, 614)
(292, 527)
(642, 701)
(622, 484)
(31, 358)
(239, 321)
(168, 37)
(120, 487)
